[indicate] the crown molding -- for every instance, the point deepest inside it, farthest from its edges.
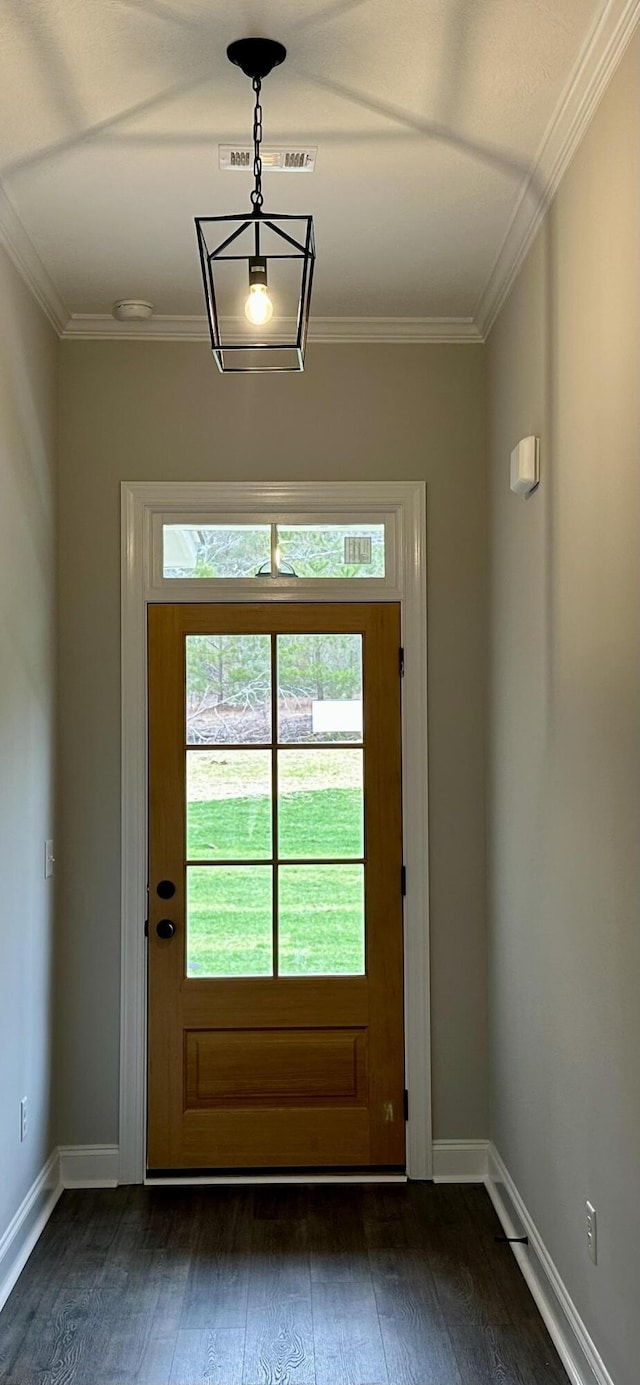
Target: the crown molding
(417, 330)
(327, 330)
(603, 48)
(24, 256)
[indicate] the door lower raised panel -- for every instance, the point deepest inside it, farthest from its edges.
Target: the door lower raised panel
(275, 1006)
(253, 1067)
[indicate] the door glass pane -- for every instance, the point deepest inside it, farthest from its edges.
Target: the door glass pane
(228, 804)
(321, 921)
(228, 689)
(215, 550)
(319, 688)
(320, 803)
(332, 550)
(229, 912)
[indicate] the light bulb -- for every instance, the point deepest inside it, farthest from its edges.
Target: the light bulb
(258, 307)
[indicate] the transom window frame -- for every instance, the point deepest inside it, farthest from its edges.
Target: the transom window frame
(145, 507)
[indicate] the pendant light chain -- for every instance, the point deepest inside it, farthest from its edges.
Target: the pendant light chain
(256, 195)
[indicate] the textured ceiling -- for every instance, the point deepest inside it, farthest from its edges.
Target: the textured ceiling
(427, 115)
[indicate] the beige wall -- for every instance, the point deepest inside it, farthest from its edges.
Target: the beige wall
(28, 351)
(564, 760)
(153, 411)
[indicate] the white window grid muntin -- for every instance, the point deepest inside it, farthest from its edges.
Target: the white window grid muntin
(267, 587)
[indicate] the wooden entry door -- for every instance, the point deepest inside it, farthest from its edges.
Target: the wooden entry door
(275, 901)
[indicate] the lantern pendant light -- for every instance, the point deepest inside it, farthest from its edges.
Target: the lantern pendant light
(257, 268)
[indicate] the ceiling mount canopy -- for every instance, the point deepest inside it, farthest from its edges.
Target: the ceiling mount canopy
(256, 56)
(271, 255)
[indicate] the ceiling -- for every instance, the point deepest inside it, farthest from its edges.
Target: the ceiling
(440, 125)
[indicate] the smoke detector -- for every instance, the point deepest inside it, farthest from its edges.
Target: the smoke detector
(132, 310)
(293, 158)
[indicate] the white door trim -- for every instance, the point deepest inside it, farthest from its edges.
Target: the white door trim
(405, 502)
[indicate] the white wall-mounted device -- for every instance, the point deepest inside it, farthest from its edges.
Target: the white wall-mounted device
(525, 466)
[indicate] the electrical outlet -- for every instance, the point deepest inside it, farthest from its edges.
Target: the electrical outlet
(592, 1231)
(49, 859)
(23, 1119)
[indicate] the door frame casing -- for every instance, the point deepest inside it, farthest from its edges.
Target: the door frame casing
(142, 503)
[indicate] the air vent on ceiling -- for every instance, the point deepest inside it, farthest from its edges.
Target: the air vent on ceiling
(236, 158)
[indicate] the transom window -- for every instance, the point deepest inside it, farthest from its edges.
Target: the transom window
(310, 550)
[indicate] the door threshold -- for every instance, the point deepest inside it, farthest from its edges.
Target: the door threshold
(181, 1177)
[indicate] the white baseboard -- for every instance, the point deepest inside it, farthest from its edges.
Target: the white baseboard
(73, 1166)
(27, 1225)
(459, 1161)
(576, 1349)
(89, 1166)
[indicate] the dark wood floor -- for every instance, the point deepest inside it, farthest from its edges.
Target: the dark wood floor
(319, 1285)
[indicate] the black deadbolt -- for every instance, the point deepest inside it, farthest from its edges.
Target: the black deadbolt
(166, 889)
(165, 928)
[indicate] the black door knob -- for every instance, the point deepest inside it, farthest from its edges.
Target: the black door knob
(165, 928)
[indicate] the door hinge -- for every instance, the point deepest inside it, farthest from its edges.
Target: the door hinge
(146, 928)
(403, 880)
(146, 922)
(405, 1103)
(401, 661)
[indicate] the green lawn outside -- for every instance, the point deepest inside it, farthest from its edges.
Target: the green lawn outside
(323, 823)
(321, 907)
(321, 921)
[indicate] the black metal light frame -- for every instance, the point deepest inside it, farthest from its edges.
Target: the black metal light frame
(256, 57)
(305, 252)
